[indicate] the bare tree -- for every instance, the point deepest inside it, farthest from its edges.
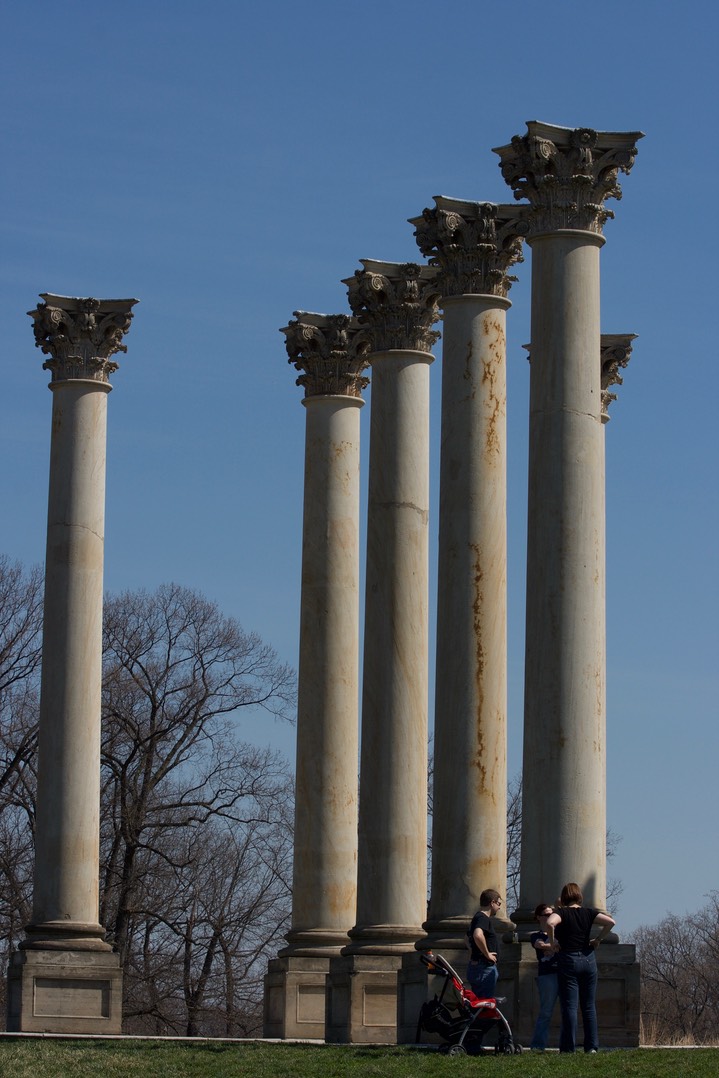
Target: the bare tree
(514, 840)
(680, 977)
(189, 813)
(195, 834)
(20, 653)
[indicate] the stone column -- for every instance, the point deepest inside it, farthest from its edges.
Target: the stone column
(566, 175)
(397, 304)
(330, 350)
(65, 978)
(618, 1000)
(473, 244)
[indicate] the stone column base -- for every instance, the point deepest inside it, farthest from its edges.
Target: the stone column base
(294, 1003)
(617, 995)
(53, 991)
(362, 999)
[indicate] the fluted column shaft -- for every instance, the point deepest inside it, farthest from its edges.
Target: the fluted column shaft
(470, 771)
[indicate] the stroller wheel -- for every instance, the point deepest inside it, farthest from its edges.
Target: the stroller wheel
(506, 1049)
(456, 1050)
(517, 1049)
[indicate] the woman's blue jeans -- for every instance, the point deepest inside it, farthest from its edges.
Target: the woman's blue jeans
(548, 987)
(578, 985)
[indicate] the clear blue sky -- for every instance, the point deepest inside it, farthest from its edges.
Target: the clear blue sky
(228, 163)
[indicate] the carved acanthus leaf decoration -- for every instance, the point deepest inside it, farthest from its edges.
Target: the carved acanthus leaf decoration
(397, 303)
(473, 244)
(80, 335)
(330, 350)
(616, 350)
(566, 174)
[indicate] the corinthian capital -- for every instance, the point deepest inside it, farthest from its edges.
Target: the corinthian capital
(397, 303)
(80, 335)
(616, 350)
(566, 174)
(331, 350)
(472, 243)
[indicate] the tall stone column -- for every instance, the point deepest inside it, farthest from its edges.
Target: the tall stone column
(473, 244)
(397, 305)
(65, 977)
(566, 175)
(330, 350)
(618, 1002)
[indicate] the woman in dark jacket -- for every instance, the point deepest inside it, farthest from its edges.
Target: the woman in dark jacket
(577, 965)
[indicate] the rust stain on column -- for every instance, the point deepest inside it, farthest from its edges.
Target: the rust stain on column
(479, 664)
(495, 404)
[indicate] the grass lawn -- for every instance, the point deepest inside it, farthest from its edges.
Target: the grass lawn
(76, 1059)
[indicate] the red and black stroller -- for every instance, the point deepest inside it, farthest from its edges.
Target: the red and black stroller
(461, 1018)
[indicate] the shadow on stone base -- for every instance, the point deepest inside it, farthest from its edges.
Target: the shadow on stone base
(53, 991)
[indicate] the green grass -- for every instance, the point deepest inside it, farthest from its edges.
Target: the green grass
(77, 1059)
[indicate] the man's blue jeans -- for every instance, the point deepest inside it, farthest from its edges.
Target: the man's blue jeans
(548, 987)
(483, 979)
(578, 984)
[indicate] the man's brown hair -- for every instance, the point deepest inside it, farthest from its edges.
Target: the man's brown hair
(489, 896)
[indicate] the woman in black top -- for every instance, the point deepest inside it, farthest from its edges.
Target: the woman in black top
(577, 965)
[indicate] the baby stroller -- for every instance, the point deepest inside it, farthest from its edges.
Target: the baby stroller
(462, 1019)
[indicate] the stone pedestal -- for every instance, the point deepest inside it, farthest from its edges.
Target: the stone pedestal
(65, 978)
(64, 991)
(362, 999)
(617, 995)
(294, 1003)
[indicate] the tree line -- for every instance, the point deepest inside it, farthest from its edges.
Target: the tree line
(196, 824)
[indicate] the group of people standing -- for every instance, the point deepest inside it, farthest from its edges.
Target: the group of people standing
(567, 966)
